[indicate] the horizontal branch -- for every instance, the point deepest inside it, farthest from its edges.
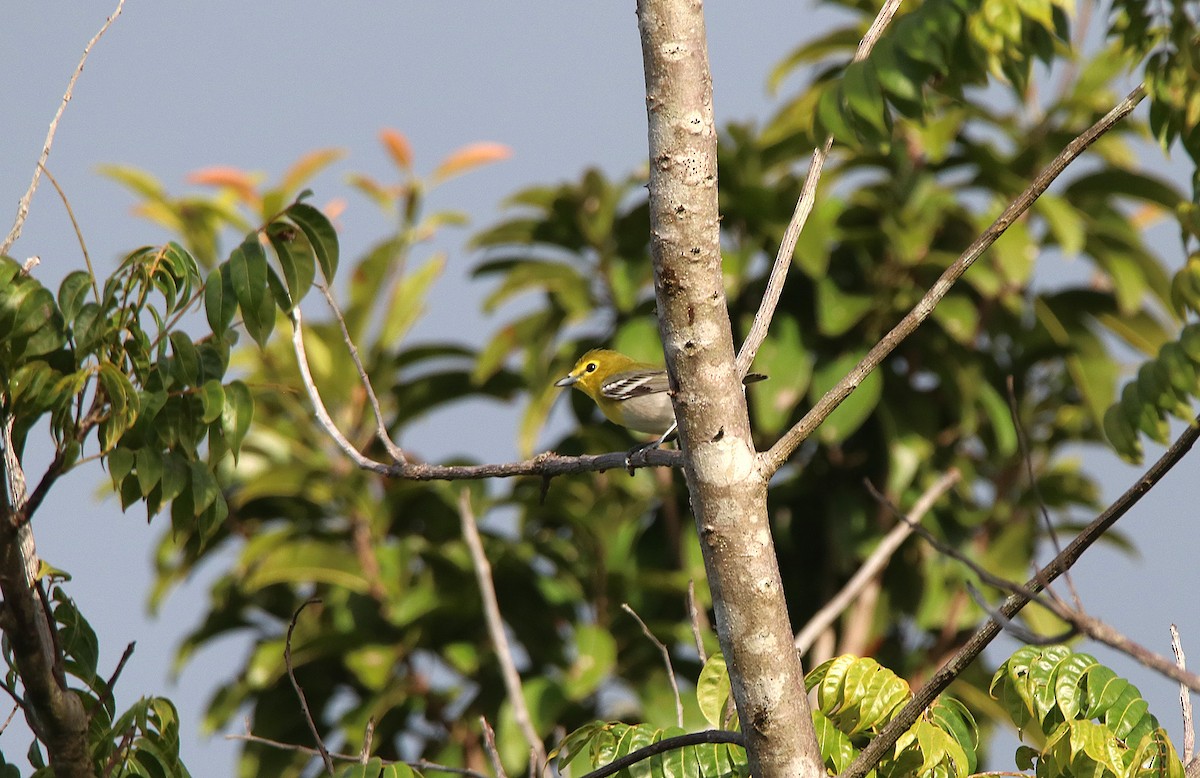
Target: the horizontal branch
(546, 465)
(668, 744)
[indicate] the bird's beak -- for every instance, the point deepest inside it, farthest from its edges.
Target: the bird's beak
(567, 380)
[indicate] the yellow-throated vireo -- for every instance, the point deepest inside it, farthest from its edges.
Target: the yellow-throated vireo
(630, 393)
(636, 395)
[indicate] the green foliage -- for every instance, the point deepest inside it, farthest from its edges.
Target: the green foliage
(855, 698)
(569, 268)
(939, 123)
(111, 364)
(142, 741)
(1087, 720)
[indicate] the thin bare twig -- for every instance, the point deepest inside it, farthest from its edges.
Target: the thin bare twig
(394, 451)
(779, 453)
(23, 206)
(287, 660)
(694, 617)
(489, 745)
(8, 720)
(668, 744)
(1185, 699)
(87, 259)
(364, 753)
(495, 625)
(666, 655)
(1023, 442)
(874, 563)
(1027, 636)
(945, 675)
(419, 764)
(804, 206)
(112, 679)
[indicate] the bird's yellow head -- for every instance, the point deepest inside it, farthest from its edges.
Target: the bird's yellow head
(593, 368)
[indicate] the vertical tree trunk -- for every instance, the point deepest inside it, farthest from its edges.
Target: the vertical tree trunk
(727, 487)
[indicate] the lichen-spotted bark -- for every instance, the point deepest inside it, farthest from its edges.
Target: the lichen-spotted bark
(727, 488)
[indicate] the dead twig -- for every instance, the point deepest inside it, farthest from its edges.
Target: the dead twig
(804, 205)
(1185, 700)
(419, 764)
(394, 451)
(112, 680)
(874, 563)
(489, 745)
(495, 625)
(287, 659)
(87, 259)
(23, 206)
(694, 617)
(666, 655)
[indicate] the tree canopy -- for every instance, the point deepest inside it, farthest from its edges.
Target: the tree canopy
(945, 123)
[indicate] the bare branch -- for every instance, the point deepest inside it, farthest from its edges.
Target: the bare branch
(694, 617)
(923, 697)
(546, 464)
(112, 679)
(668, 744)
(419, 764)
(489, 745)
(1023, 441)
(23, 206)
(874, 563)
(495, 625)
(364, 753)
(394, 451)
(9, 719)
(666, 655)
(287, 659)
(804, 206)
(87, 259)
(772, 460)
(1185, 700)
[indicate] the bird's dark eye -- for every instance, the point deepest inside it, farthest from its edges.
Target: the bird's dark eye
(591, 367)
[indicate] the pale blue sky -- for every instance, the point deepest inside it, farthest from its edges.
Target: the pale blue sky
(178, 86)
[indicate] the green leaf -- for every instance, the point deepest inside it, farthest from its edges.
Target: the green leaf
(248, 266)
(838, 311)
(297, 265)
(204, 487)
(321, 236)
(856, 408)
(712, 691)
(236, 414)
(220, 301)
(864, 98)
(185, 367)
(1063, 221)
(212, 399)
(149, 469)
(407, 301)
(595, 656)
(72, 294)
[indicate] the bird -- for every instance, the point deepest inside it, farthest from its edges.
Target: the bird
(636, 395)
